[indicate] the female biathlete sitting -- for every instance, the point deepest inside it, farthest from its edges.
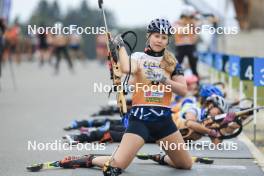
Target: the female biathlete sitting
(150, 114)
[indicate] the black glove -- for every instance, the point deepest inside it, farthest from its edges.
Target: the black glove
(118, 41)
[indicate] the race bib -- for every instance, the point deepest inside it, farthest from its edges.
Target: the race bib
(153, 96)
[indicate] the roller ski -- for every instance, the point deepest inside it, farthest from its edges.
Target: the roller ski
(160, 158)
(69, 162)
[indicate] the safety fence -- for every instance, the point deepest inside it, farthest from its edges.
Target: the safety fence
(240, 74)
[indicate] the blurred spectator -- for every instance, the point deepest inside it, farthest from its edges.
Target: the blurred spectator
(186, 38)
(12, 35)
(43, 47)
(60, 42)
(75, 46)
(2, 31)
(101, 47)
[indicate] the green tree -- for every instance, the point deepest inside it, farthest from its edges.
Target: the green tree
(40, 14)
(55, 12)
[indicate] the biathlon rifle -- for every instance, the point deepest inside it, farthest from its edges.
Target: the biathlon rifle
(114, 65)
(215, 123)
(237, 114)
(240, 118)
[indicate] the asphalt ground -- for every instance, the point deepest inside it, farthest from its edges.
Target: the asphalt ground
(43, 103)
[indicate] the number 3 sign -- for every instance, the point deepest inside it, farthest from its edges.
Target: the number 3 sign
(259, 71)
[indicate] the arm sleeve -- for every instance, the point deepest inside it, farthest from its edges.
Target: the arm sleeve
(136, 56)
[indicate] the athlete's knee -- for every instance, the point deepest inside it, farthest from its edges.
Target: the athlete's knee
(187, 164)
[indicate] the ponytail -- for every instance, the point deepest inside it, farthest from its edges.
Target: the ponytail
(168, 61)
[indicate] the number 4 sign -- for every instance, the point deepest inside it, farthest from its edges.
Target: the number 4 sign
(247, 68)
(259, 71)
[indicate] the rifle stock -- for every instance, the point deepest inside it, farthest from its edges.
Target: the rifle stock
(114, 67)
